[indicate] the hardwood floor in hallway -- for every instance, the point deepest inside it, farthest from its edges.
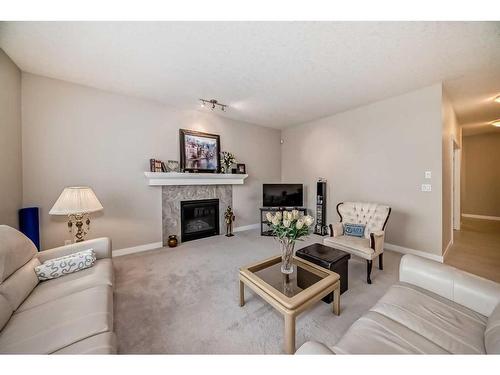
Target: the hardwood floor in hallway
(476, 248)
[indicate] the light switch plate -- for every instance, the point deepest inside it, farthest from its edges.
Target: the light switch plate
(428, 174)
(426, 187)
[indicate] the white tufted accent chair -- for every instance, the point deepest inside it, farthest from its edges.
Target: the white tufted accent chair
(374, 216)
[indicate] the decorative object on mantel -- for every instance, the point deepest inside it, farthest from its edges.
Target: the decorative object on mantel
(172, 240)
(77, 202)
(227, 160)
(157, 166)
(288, 227)
(172, 166)
(229, 219)
(212, 104)
(241, 169)
(199, 151)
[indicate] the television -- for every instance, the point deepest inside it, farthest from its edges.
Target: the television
(282, 195)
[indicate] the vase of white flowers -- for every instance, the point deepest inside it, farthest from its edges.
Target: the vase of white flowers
(288, 227)
(227, 159)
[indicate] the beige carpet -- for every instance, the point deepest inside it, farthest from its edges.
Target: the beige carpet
(185, 300)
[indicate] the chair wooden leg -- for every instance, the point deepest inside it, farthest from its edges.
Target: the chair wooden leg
(369, 264)
(381, 261)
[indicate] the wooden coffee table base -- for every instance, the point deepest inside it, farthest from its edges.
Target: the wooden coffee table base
(290, 307)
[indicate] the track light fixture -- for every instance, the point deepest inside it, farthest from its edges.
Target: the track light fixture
(212, 104)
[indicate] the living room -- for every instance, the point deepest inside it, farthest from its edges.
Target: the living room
(220, 197)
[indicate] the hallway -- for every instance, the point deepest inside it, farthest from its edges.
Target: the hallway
(476, 248)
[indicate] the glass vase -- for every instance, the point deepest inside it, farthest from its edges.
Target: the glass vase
(286, 256)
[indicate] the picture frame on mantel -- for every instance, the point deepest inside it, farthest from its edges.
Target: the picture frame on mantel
(241, 169)
(199, 152)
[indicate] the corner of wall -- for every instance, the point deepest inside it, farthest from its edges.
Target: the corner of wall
(11, 141)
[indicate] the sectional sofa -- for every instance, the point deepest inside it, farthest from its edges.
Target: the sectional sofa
(72, 314)
(434, 309)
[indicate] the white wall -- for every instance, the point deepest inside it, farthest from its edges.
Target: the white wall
(74, 135)
(10, 141)
(481, 175)
(377, 153)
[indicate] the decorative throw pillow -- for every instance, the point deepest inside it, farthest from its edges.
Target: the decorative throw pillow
(355, 230)
(57, 267)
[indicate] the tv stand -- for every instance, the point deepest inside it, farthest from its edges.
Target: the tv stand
(265, 229)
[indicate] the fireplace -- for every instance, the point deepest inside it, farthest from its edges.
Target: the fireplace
(199, 219)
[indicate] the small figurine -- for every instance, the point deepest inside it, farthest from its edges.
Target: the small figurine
(229, 218)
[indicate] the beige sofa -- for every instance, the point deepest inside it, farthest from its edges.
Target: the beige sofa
(374, 216)
(72, 314)
(434, 309)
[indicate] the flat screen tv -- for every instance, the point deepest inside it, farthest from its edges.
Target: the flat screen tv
(283, 195)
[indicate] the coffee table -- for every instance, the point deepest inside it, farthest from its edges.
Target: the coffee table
(284, 294)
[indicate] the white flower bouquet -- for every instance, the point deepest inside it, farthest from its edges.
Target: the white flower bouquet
(227, 159)
(288, 227)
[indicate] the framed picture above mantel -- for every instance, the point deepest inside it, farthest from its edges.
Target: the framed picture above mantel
(200, 152)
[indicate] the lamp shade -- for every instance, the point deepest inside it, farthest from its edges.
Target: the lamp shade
(76, 200)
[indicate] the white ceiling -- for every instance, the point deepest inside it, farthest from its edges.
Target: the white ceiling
(473, 99)
(274, 74)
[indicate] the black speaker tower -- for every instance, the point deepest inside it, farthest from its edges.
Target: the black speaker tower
(320, 227)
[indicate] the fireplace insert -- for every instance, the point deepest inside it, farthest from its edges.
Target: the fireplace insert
(199, 219)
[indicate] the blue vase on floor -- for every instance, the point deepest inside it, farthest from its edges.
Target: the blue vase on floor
(29, 225)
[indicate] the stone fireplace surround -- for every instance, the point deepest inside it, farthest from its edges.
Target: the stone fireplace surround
(172, 195)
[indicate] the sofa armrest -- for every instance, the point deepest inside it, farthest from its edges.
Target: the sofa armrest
(377, 241)
(101, 246)
(336, 229)
(474, 292)
(312, 347)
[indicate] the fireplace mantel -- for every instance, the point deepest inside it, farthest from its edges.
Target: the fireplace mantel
(176, 178)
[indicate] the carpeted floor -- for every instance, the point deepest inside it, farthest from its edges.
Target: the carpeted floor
(185, 299)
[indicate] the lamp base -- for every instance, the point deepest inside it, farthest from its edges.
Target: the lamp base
(78, 221)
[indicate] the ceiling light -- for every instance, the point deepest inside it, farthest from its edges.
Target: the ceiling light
(496, 123)
(497, 99)
(213, 104)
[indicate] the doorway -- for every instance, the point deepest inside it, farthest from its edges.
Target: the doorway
(476, 206)
(457, 155)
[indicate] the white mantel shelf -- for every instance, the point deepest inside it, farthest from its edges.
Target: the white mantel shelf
(176, 178)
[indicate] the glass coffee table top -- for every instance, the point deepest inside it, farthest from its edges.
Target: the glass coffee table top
(288, 285)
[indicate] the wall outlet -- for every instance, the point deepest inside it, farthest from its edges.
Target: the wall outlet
(67, 242)
(426, 187)
(428, 174)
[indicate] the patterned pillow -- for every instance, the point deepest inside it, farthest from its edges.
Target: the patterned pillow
(355, 230)
(57, 267)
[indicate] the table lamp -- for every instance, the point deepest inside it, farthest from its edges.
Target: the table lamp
(77, 202)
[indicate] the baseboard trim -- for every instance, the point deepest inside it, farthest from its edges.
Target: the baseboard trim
(157, 245)
(137, 249)
(246, 227)
(450, 244)
(482, 217)
(406, 250)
